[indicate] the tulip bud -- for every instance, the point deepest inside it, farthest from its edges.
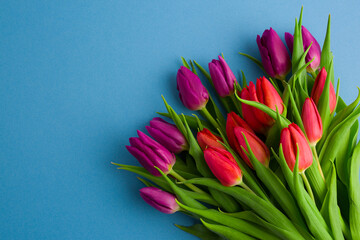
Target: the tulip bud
(160, 200)
(266, 94)
(208, 139)
(222, 77)
(274, 56)
(223, 165)
(192, 93)
(312, 121)
(259, 149)
(232, 121)
(150, 153)
(290, 138)
(314, 51)
(167, 135)
(318, 88)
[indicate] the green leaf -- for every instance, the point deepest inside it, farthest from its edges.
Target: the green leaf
(256, 61)
(323, 104)
(227, 232)
(185, 63)
(203, 71)
(276, 188)
(201, 232)
(326, 54)
(314, 220)
(298, 51)
(225, 201)
(260, 206)
(175, 117)
(354, 193)
(191, 120)
(330, 208)
(240, 225)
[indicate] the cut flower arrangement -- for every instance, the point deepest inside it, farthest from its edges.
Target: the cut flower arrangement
(281, 163)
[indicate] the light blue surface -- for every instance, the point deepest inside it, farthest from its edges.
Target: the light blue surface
(79, 77)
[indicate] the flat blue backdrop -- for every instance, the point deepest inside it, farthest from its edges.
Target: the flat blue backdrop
(79, 77)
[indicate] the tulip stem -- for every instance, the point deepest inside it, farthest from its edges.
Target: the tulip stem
(313, 149)
(189, 185)
(208, 116)
(246, 187)
(307, 185)
(237, 104)
(313, 74)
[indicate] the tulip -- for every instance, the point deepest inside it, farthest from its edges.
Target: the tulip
(274, 56)
(290, 138)
(222, 77)
(192, 93)
(208, 139)
(150, 153)
(259, 149)
(160, 200)
(167, 135)
(232, 121)
(223, 165)
(266, 94)
(314, 51)
(312, 121)
(318, 88)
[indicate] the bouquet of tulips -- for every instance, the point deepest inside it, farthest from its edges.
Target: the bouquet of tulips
(282, 163)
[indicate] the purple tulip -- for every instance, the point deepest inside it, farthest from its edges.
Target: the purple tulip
(191, 91)
(274, 55)
(314, 51)
(150, 153)
(222, 77)
(160, 200)
(167, 135)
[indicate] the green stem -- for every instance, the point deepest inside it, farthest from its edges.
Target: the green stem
(189, 185)
(313, 74)
(307, 185)
(246, 187)
(210, 118)
(237, 104)
(313, 149)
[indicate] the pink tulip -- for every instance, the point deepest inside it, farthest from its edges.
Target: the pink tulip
(223, 165)
(312, 121)
(290, 138)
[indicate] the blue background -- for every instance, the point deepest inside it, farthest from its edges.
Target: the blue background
(79, 77)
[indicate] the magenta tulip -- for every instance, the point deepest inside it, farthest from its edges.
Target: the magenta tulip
(167, 135)
(192, 93)
(151, 154)
(160, 200)
(222, 77)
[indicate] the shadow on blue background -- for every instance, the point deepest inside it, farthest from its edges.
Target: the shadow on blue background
(79, 77)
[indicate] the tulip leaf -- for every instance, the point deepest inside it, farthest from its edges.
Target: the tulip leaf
(295, 110)
(203, 71)
(193, 68)
(185, 63)
(146, 183)
(201, 232)
(183, 197)
(354, 193)
(241, 225)
(191, 120)
(326, 54)
(276, 187)
(329, 209)
(200, 125)
(323, 104)
(314, 220)
(243, 78)
(225, 201)
(260, 206)
(228, 233)
(175, 117)
(256, 61)
(316, 181)
(298, 51)
(196, 152)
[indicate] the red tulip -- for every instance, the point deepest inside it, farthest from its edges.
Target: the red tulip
(318, 88)
(232, 121)
(290, 138)
(223, 165)
(266, 94)
(259, 149)
(312, 121)
(208, 139)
